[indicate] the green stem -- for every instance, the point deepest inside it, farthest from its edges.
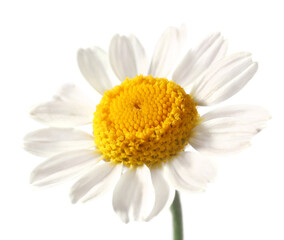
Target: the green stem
(177, 218)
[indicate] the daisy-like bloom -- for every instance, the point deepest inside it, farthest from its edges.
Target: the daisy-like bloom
(142, 126)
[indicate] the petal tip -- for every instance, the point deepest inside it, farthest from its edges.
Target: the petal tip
(73, 198)
(33, 178)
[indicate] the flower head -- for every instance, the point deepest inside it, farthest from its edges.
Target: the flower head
(144, 121)
(142, 126)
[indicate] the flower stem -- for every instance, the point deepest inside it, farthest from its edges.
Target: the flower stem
(177, 218)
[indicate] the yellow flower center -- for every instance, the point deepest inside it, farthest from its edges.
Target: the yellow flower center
(144, 120)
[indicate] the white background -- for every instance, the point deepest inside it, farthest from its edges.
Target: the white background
(38, 45)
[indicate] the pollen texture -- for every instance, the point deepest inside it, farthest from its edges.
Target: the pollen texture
(144, 120)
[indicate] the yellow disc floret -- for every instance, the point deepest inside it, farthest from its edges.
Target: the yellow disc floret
(144, 120)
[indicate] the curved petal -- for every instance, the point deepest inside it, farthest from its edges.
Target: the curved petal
(94, 65)
(127, 57)
(63, 166)
(224, 78)
(57, 113)
(140, 55)
(198, 59)
(247, 114)
(164, 193)
(71, 93)
(47, 142)
(133, 196)
(222, 135)
(191, 172)
(167, 51)
(96, 182)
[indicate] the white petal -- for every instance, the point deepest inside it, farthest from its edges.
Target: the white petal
(63, 166)
(140, 55)
(164, 193)
(133, 196)
(57, 113)
(247, 114)
(127, 57)
(190, 172)
(50, 141)
(95, 67)
(96, 182)
(197, 60)
(71, 93)
(224, 78)
(222, 135)
(166, 52)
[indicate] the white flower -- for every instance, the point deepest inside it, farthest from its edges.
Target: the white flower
(142, 126)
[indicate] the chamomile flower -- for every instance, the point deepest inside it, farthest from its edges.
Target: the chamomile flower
(141, 128)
